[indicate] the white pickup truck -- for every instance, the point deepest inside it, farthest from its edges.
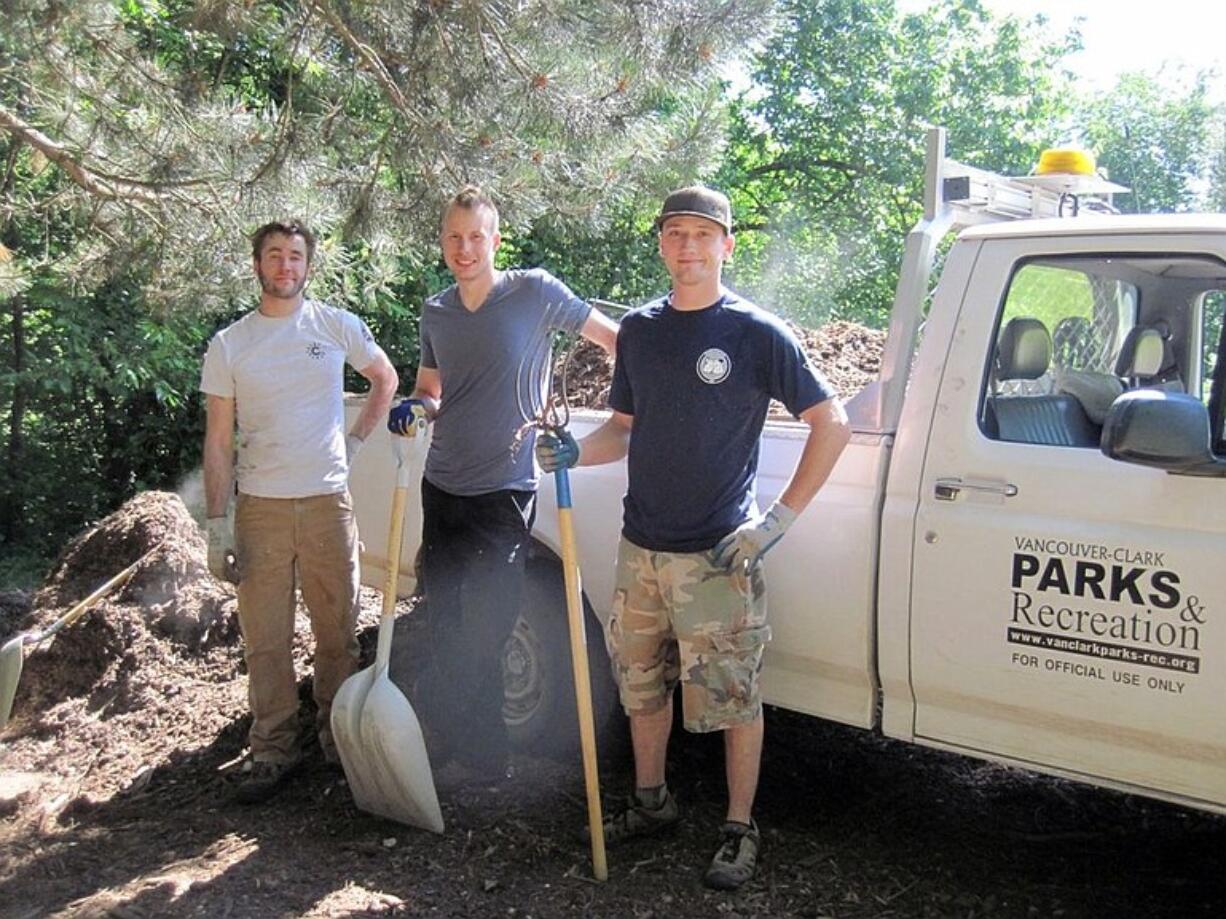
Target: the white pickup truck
(1021, 555)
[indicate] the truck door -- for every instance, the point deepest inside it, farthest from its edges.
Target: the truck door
(370, 485)
(1067, 610)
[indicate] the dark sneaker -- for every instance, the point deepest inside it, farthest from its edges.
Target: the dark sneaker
(261, 779)
(737, 857)
(635, 819)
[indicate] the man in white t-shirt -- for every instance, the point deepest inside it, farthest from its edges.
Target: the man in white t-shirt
(278, 374)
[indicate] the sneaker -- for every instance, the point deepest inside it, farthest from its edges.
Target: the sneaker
(737, 857)
(635, 819)
(261, 779)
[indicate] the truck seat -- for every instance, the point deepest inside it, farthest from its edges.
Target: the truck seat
(1024, 353)
(1145, 361)
(1095, 391)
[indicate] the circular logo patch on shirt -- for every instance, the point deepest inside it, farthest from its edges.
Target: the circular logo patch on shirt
(315, 351)
(714, 365)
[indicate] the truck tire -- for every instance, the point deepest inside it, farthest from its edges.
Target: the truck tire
(540, 710)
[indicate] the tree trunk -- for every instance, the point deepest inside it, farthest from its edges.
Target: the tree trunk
(12, 519)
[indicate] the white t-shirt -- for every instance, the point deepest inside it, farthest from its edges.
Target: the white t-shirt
(286, 378)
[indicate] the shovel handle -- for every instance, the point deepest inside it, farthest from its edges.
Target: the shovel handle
(401, 447)
(583, 679)
(83, 606)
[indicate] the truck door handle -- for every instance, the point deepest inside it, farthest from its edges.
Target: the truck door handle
(948, 489)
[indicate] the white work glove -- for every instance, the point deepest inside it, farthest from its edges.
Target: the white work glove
(745, 546)
(353, 444)
(223, 558)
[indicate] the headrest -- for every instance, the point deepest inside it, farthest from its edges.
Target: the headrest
(1141, 354)
(1024, 351)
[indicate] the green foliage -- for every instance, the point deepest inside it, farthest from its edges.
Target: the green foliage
(1156, 137)
(183, 124)
(141, 140)
(621, 264)
(826, 159)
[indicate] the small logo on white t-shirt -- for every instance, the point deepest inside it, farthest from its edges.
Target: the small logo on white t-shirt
(316, 351)
(714, 365)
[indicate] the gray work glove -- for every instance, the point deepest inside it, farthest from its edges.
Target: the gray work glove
(223, 557)
(745, 546)
(353, 444)
(556, 451)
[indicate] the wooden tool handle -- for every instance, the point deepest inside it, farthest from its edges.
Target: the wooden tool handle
(583, 680)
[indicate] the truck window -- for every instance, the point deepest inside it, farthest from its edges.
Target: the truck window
(1076, 331)
(1212, 306)
(1086, 316)
(1050, 378)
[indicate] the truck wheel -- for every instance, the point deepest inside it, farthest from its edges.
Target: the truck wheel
(539, 708)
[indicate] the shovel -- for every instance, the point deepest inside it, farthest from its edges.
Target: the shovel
(12, 657)
(375, 728)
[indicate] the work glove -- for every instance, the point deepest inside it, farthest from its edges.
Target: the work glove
(744, 547)
(353, 444)
(223, 559)
(405, 418)
(556, 451)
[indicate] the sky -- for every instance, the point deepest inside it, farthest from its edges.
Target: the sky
(1118, 35)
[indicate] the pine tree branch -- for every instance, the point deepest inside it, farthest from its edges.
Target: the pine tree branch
(391, 89)
(109, 189)
(370, 58)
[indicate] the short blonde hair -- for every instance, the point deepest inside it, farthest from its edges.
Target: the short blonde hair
(471, 198)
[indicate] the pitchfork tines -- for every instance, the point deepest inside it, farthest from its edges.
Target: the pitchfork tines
(539, 406)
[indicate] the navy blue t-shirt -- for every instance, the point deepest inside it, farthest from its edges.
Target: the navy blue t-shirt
(698, 383)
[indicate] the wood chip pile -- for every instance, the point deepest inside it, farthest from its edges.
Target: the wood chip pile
(847, 353)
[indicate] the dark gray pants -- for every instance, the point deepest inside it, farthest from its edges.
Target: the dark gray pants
(474, 553)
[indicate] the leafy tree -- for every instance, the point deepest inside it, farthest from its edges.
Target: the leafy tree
(1155, 137)
(141, 140)
(826, 157)
(182, 123)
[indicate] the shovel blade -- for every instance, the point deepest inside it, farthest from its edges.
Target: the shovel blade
(11, 658)
(347, 733)
(394, 753)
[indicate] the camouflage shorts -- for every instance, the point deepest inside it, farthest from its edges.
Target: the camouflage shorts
(676, 618)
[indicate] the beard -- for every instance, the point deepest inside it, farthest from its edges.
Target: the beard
(284, 291)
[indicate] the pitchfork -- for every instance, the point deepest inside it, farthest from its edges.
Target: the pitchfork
(539, 409)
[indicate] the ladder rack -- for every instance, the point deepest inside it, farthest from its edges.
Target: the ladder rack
(978, 196)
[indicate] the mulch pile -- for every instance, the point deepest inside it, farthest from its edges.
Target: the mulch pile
(148, 673)
(847, 353)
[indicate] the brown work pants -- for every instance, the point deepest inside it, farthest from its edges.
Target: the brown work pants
(317, 537)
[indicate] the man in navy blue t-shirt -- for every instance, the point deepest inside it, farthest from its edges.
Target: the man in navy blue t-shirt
(695, 374)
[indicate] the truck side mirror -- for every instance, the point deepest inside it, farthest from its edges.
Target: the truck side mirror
(1167, 430)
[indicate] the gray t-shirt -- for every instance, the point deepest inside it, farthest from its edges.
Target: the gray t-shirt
(478, 356)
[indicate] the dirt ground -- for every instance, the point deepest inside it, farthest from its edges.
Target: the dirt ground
(117, 768)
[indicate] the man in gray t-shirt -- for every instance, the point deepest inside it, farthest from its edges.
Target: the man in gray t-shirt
(479, 488)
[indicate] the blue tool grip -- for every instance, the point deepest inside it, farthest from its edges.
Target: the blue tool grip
(562, 480)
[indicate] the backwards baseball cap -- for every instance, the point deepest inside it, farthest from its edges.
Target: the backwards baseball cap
(697, 201)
